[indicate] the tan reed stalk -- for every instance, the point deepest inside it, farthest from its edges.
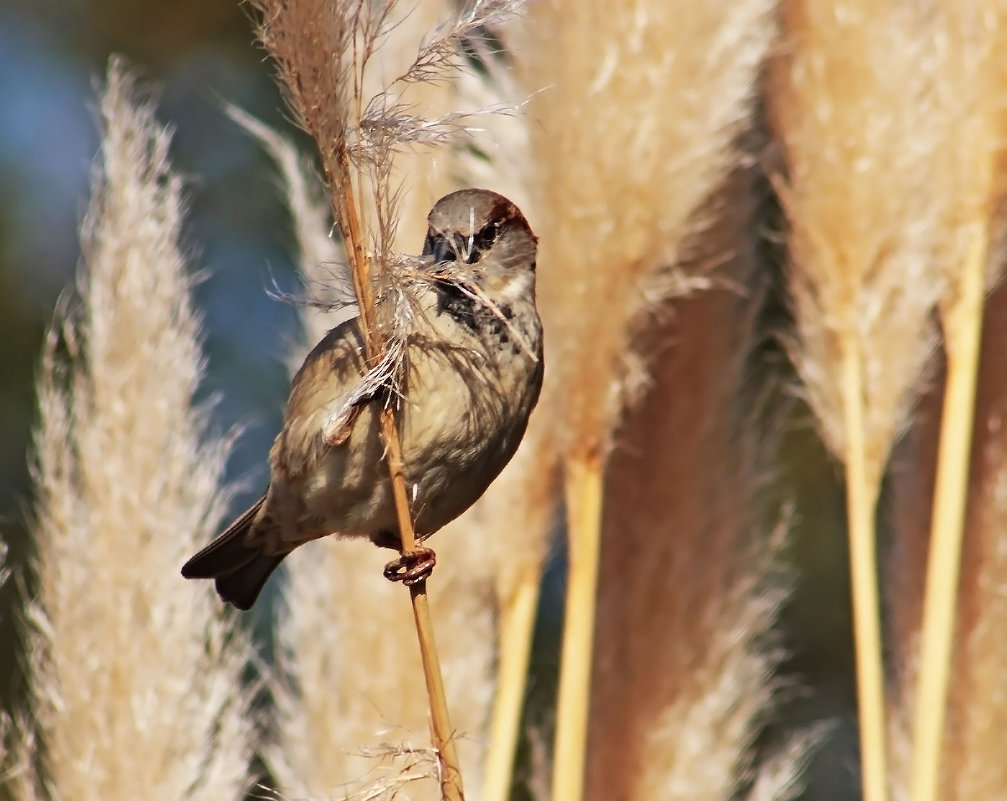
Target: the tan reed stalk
(332, 710)
(339, 705)
(689, 589)
(974, 66)
(136, 693)
(443, 734)
(962, 320)
(633, 109)
(518, 513)
(971, 764)
(516, 627)
(347, 212)
(583, 489)
(853, 105)
(323, 52)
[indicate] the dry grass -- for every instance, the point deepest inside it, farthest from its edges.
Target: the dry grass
(135, 693)
(973, 767)
(607, 82)
(852, 107)
(626, 144)
(689, 591)
(971, 179)
(853, 104)
(629, 159)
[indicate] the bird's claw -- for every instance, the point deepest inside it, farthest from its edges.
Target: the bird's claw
(412, 567)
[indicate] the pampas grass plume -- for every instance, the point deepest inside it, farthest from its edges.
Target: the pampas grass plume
(972, 66)
(852, 106)
(626, 142)
(683, 666)
(136, 693)
(634, 110)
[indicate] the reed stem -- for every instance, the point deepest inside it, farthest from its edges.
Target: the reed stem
(583, 484)
(861, 495)
(348, 214)
(517, 621)
(962, 318)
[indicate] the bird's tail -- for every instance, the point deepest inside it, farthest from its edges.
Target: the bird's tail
(239, 568)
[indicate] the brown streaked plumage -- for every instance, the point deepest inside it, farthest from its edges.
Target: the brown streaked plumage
(473, 370)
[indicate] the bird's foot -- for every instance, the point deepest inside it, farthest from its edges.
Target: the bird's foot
(412, 567)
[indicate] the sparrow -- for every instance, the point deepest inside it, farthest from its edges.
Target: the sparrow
(471, 370)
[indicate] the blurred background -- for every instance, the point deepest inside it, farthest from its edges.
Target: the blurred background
(195, 56)
(200, 54)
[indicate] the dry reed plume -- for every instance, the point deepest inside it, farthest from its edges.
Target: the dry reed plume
(977, 712)
(853, 106)
(352, 677)
(850, 103)
(627, 143)
(972, 766)
(970, 51)
(135, 693)
(683, 670)
(633, 115)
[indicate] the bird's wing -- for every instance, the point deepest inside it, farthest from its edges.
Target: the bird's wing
(330, 373)
(324, 401)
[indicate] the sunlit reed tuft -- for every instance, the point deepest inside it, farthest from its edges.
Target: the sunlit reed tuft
(972, 767)
(853, 106)
(633, 115)
(970, 53)
(683, 667)
(136, 692)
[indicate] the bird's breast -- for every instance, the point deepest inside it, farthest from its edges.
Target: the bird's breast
(465, 412)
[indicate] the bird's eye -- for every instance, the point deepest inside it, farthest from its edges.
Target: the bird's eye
(486, 237)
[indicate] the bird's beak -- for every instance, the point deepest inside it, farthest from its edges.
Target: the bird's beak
(444, 250)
